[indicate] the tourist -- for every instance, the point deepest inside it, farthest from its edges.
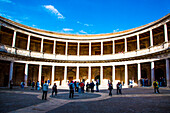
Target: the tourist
(120, 88)
(33, 84)
(87, 87)
(92, 86)
(54, 89)
(22, 84)
(97, 86)
(71, 86)
(48, 82)
(38, 85)
(117, 86)
(77, 86)
(156, 86)
(11, 84)
(110, 88)
(45, 90)
(82, 87)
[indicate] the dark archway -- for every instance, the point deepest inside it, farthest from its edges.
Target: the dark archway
(144, 73)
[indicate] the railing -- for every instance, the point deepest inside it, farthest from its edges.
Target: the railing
(29, 53)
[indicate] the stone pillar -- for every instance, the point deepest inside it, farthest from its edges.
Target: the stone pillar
(139, 74)
(166, 32)
(113, 46)
(89, 74)
(65, 74)
(14, 39)
(78, 49)
(152, 73)
(66, 48)
(138, 42)
(28, 43)
(39, 75)
(151, 38)
(54, 47)
(125, 44)
(101, 48)
(53, 75)
(101, 75)
(167, 73)
(113, 75)
(126, 75)
(26, 74)
(77, 74)
(42, 41)
(89, 48)
(11, 72)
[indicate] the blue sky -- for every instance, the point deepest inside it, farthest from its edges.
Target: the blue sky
(84, 16)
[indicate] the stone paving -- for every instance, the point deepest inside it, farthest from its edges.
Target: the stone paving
(136, 100)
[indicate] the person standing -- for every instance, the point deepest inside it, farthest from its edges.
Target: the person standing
(156, 86)
(92, 86)
(110, 88)
(117, 86)
(54, 89)
(48, 82)
(97, 86)
(120, 88)
(38, 85)
(45, 90)
(33, 84)
(22, 84)
(11, 84)
(71, 85)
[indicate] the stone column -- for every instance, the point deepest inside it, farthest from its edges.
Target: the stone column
(89, 48)
(139, 74)
(77, 74)
(39, 75)
(11, 72)
(14, 39)
(138, 42)
(167, 73)
(78, 49)
(28, 43)
(65, 74)
(166, 32)
(26, 74)
(126, 75)
(89, 74)
(53, 75)
(42, 41)
(113, 46)
(66, 48)
(152, 73)
(113, 75)
(125, 44)
(101, 75)
(151, 38)
(101, 48)
(54, 47)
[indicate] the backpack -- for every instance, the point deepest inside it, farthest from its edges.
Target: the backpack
(155, 84)
(71, 86)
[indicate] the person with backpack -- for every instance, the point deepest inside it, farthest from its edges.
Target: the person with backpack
(54, 89)
(156, 86)
(71, 86)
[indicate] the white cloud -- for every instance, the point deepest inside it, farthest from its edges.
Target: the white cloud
(86, 24)
(115, 30)
(54, 10)
(33, 25)
(7, 1)
(81, 31)
(67, 29)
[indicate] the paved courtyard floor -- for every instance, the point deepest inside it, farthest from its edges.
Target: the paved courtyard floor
(133, 100)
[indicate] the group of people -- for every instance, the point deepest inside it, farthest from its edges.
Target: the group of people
(36, 85)
(118, 86)
(79, 87)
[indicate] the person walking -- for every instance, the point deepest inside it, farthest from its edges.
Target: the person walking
(45, 90)
(156, 86)
(54, 89)
(110, 88)
(71, 85)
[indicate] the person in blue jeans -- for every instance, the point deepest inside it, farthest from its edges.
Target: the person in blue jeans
(45, 90)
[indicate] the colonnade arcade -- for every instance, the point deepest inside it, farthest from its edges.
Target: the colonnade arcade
(62, 74)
